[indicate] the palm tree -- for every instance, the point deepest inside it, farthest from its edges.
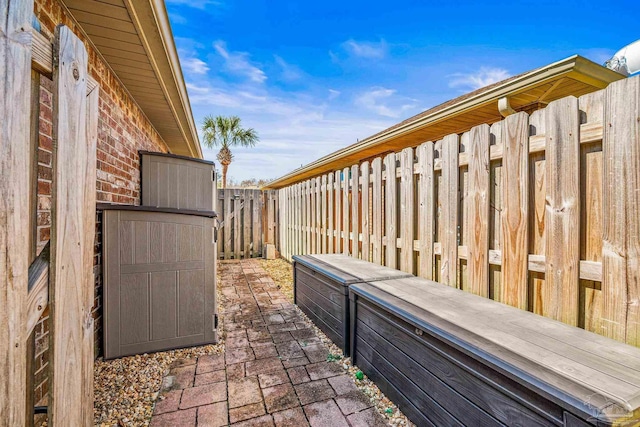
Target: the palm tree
(226, 132)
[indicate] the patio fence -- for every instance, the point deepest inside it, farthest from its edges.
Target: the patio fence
(538, 211)
(243, 215)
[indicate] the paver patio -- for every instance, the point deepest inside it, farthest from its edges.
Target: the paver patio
(274, 371)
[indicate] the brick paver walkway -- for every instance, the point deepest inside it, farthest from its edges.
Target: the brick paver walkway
(274, 371)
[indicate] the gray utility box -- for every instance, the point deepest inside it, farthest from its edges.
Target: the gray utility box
(447, 357)
(172, 181)
(321, 289)
(159, 279)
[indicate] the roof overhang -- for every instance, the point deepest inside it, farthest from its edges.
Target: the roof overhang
(527, 92)
(134, 37)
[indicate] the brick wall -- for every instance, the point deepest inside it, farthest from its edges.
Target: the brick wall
(122, 130)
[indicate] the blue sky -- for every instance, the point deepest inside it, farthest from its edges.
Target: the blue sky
(312, 77)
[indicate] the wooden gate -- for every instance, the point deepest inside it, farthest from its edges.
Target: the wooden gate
(248, 221)
(67, 285)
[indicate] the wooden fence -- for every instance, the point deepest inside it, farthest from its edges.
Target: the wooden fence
(541, 212)
(248, 221)
(61, 278)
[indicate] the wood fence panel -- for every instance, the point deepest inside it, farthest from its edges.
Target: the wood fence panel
(355, 218)
(228, 225)
(524, 211)
(346, 229)
(478, 252)
(242, 232)
(495, 209)
(237, 225)
(537, 209)
(246, 223)
(256, 216)
(364, 225)
(377, 229)
(515, 187)
(15, 81)
(68, 242)
(449, 197)
(621, 202)
(307, 216)
(318, 227)
(591, 182)
(330, 213)
(89, 240)
(406, 210)
(390, 211)
(562, 218)
(323, 215)
(312, 214)
(426, 218)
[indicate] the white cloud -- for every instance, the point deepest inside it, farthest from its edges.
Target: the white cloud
(238, 62)
(333, 94)
(383, 101)
(197, 4)
(194, 65)
(481, 78)
(294, 128)
(364, 49)
(289, 72)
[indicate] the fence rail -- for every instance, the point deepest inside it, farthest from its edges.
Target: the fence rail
(248, 220)
(537, 211)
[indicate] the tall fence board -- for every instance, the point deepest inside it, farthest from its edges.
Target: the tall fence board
(538, 211)
(15, 81)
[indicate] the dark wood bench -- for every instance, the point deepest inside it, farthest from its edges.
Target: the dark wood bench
(321, 289)
(447, 357)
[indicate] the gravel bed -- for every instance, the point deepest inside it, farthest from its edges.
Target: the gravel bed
(126, 389)
(282, 273)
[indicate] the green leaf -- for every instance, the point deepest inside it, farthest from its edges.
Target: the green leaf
(359, 375)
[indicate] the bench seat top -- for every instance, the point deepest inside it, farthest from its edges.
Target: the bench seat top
(347, 270)
(577, 369)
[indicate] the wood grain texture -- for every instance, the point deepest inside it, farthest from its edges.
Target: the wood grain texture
(515, 187)
(318, 224)
(376, 203)
(562, 216)
(88, 253)
(69, 244)
(478, 225)
(621, 205)
(323, 214)
(312, 213)
(228, 224)
(346, 223)
(330, 214)
(365, 211)
(390, 211)
(591, 168)
(426, 212)
(338, 211)
(449, 198)
(15, 82)
(537, 206)
(355, 214)
(406, 210)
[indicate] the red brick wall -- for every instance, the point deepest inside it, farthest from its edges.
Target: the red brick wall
(122, 130)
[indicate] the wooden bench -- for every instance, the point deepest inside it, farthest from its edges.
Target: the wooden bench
(321, 289)
(447, 357)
